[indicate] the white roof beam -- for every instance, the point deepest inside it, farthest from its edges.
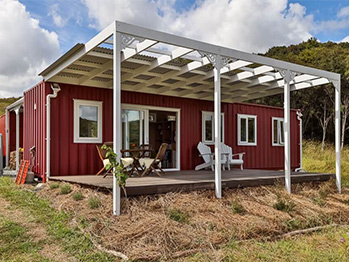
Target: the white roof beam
(140, 47)
(248, 74)
(95, 72)
(214, 49)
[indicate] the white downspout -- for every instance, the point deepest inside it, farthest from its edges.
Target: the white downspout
(299, 117)
(17, 137)
(55, 88)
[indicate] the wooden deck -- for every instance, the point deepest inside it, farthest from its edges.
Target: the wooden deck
(190, 180)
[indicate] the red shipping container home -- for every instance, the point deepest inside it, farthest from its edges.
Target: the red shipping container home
(166, 88)
(147, 118)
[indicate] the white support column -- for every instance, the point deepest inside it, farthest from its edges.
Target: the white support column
(217, 126)
(17, 137)
(117, 126)
(299, 117)
(287, 129)
(337, 85)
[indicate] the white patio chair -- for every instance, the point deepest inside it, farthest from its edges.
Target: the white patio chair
(207, 156)
(228, 157)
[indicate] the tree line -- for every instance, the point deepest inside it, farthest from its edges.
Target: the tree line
(317, 104)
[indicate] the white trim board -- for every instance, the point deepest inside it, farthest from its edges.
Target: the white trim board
(280, 133)
(203, 133)
(93, 140)
(245, 116)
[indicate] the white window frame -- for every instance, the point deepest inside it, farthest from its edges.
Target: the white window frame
(203, 131)
(93, 140)
(279, 120)
(246, 143)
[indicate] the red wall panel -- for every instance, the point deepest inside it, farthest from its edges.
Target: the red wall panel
(12, 130)
(3, 132)
(34, 125)
(68, 158)
(264, 155)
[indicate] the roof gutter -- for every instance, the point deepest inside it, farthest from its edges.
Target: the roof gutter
(55, 88)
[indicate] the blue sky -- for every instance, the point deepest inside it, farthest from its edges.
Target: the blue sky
(80, 30)
(34, 33)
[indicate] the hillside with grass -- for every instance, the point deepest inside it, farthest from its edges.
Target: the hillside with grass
(323, 161)
(4, 102)
(247, 224)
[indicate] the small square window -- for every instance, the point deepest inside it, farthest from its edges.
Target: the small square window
(87, 121)
(208, 132)
(278, 131)
(247, 130)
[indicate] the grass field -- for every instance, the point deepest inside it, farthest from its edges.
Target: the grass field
(315, 160)
(59, 223)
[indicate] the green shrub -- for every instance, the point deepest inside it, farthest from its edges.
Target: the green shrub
(94, 202)
(77, 196)
(54, 185)
(237, 208)
(319, 201)
(292, 224)
(65, 189)
(178, 215)
(284, 205)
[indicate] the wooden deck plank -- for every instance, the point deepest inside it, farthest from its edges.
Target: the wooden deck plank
(190, 180)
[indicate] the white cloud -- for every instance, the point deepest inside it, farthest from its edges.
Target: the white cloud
(248, 25)
(57, 18)
(25, 48)
(344, 12)
(345, 39)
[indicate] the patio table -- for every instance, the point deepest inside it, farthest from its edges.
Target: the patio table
(136, 154)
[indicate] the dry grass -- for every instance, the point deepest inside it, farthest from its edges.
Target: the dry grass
(147, 230)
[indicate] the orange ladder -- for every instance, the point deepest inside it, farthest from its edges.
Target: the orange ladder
(22, 172)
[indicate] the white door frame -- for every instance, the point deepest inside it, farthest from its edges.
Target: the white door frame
(146, 109)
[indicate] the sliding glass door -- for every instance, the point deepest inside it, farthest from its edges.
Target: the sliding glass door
(152, 126)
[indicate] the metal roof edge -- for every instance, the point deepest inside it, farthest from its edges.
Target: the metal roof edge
(62, 58)
(19, 102)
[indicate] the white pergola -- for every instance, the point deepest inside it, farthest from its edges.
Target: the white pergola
(133, 58)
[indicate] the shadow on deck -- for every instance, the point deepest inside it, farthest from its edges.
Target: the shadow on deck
(189, 180)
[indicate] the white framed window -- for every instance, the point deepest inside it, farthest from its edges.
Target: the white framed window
(277, 131)
(87, 121)
(207, 128)
(247, 130)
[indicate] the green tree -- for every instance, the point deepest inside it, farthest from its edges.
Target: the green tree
(317, 103)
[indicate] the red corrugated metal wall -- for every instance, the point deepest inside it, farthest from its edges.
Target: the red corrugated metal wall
(68, 158)
(12, 130)
(3, 132)
(34, 125)
(264, 155)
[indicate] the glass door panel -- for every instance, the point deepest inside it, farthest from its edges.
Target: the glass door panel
(133, 133)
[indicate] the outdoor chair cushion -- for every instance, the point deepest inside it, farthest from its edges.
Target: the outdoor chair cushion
(127, 161)
(146, 162)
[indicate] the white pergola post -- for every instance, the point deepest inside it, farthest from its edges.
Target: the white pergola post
(117, 126)
(337, 85)
(17, 137)
(217, 126)
(287, 129)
